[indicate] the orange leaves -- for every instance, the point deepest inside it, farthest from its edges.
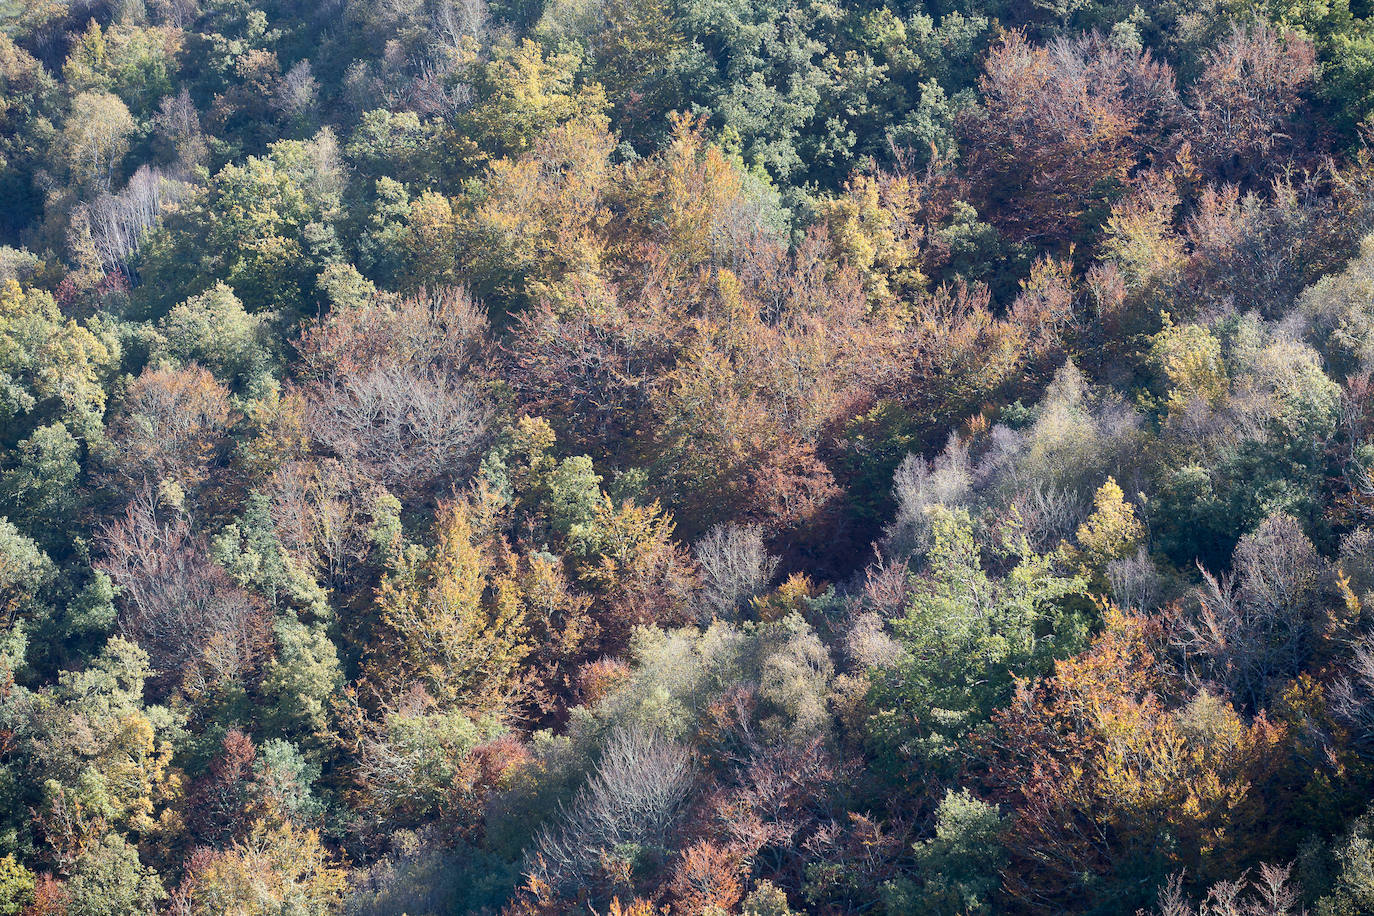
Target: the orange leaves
(707, 876)
(1103, 770)
(1062, 126)
(171, 424)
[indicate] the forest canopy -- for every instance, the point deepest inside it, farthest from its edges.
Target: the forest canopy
(686, 457)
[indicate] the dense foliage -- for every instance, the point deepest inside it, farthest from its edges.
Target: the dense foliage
(686, 457)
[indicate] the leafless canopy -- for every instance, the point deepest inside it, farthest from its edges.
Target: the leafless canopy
(1258, 625)
(634, 796)
(735, 567)
(396, 394)
(176, 602)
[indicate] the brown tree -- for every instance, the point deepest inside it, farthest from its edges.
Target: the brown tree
(1245, 99)
(1061, 129)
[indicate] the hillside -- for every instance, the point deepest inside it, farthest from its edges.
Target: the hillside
(686, 457)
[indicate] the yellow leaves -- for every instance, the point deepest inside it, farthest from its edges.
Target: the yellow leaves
(96, 136)
(691, 186)
(1190, 359)
(542, 213)
(280, 431)
(1104, 746)
(1341, 620)
(789, 597)
(278, 868)
(1140, 239)
(1110, 533)
(60, 359)
(1191, 766)
(621, 535)
(430, 240)
(453, 623)
(14, 304)
(874, 226)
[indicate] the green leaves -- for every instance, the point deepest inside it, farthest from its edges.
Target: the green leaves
(966, 636)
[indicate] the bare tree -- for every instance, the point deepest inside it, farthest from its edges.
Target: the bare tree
(918, 485)
(1352, 696)
(1135, 581)
(1049, 514)
(176, 602)
(1258, 625)
(177, 124)
(459, 21)
(1268, 894)
(1244, 98)
(297, 90)
(735, 567)
(634, 796)
(408, 429)
(119, 222)
(395, 393)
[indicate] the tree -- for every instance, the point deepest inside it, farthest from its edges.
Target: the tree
(118, 223)
(1252, 632)
(451, 622)
(171, 425)
(1340, 322)
(1114, 789)
(215, 331)
(1247, 93)
(16, 887)
(96, 138)
(98, 763)
(26, 572)
(735, 567)
(176, 602)
(26, 129)
(628, 807)
(277, 868)
(109, 880)
(263, 227)
(1190, 359)
(1111, 533)
(960, 865)
(1060, 130)
(418, 763)
(1352, 889)
(965, 636)
(1269, 894)
(393, 389)
(55, 367)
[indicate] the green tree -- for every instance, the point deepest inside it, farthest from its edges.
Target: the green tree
(965, 637)
(16, 887)
(959, 866)
(109, 880)
(40, 489)
(265, 228)
(213, 329)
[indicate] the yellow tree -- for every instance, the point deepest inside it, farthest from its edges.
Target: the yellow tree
(278, 868)
(1114, 788)
(96, 137)
(451, 624)
(1112, 532)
